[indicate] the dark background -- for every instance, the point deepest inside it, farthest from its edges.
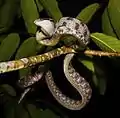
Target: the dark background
(100, 105)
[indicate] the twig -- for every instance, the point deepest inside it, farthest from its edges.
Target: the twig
(30, 61)
(101, 53)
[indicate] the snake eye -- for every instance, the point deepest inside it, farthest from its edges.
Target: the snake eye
(39, 28)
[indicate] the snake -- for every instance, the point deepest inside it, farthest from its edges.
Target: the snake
(50, 34)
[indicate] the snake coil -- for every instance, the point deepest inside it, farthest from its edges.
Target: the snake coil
(50, 34)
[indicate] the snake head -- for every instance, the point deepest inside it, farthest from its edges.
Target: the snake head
(47, 26)
(45, 32)
(52, 33)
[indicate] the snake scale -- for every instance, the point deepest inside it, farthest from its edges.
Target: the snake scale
(50, 34)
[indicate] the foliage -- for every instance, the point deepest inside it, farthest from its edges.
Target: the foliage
(111, 17)
(13, 45)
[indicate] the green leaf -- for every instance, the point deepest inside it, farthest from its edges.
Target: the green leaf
(99, 79)
(87, 13)
(14, 110)
(40, 48)
(39, 6)
(114, 13)
(9, 89)
(51, 7)
(9, 109)
(8, 12)
(21, 111)
(48, 114)
(105, 42)
(2, 37)
(27, 48)
(9, 46)
(98, 75)
(88, 63)
(39, 113)
(29, 13)
(68, 40)
(34, 112)
(106, 26)
(102, 86)
(95, 80)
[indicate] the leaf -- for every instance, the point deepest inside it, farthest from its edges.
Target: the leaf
(100, 79)
(106, 26)
(88, 63)
(40, 48)
(8, 12)
(87, 13)
(68, 40)
(29, 13)
(105, 42)
(2, 37)
(100, 83)
(39, 113)
(9, 46)
(48, 114)
(9, 89)
(95, 80)
(114, 13)
(14, 110)
(51, 7)
(34, 112)
(9, 109)
(98, 75)
(21, 111)
(102, 86)
(39, 6)
(27, 48)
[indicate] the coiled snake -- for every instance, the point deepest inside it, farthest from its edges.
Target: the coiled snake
(50, 34)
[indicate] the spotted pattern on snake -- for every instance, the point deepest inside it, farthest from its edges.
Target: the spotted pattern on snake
(27, 81)
(30, 79)
(76, 80)
(50, 35)
(74, 27)
(65, 26)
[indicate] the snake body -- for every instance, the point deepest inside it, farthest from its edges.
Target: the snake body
(50, 35)
(30, 79)
(77, 81)
(65, 26)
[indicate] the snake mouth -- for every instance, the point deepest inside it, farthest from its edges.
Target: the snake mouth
(52, 33)
(47, 26)
(47, 40)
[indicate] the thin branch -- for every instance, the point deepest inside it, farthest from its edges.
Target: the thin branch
(33, 60)
(101, 53)
(30, 61)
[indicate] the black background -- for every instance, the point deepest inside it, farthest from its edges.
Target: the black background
(99, 106)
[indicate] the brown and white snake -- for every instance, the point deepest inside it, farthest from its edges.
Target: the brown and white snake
(50, 34)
